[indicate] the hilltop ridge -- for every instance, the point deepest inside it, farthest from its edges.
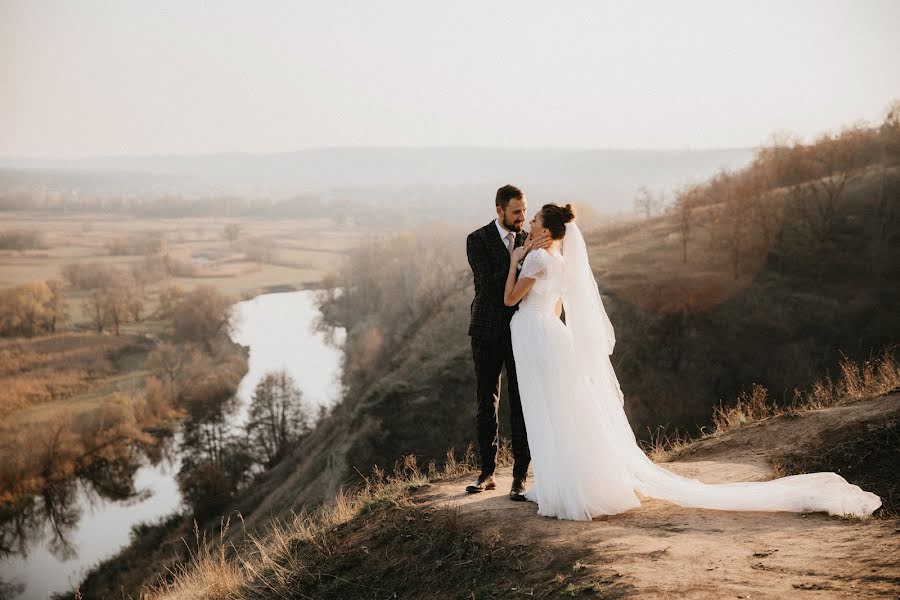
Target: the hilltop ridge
(410, 536)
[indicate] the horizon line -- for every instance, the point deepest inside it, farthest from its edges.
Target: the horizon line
(232, 153)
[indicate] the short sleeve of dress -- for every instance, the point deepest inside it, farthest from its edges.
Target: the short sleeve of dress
(535, 264)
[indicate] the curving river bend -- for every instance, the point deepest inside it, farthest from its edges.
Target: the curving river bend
(280, 330)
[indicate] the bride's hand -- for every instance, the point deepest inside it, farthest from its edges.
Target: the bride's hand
(518, 254)
(540, 242)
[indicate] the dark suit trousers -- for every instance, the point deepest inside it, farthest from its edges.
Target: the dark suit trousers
(490, 356)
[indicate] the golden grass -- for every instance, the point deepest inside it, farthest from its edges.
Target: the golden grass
(306, 250)
(269, 562)
(54, 367)
(874, 377)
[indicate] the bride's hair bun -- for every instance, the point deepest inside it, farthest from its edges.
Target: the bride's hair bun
(555, 217)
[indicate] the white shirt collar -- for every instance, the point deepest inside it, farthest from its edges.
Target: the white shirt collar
(503, 230)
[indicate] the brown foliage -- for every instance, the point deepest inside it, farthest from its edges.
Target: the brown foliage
(88, 276)
(165, 362)
(114, 303)
(21, 239)
(259, 249)
(32, 308)
(43, 369)
(148, 242)
(160, 397)
(167, 300)
(111, 425)
(177, 266)
(203, 314)
(152, 269)
(206, 381)
(390, 285)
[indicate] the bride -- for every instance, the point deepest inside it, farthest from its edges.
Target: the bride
(585, 456)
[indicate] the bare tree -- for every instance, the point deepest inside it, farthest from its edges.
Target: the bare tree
(202, 314)
(278, 416)
(94, 305)
(733, 220)
(686, 200)
(117, 299)
(167, 300)
(135, 301)
(763, 205)
(59, 305)
(818, 200)
(165, 362)
(643, 202)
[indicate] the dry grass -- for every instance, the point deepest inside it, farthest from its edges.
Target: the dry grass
(663, 445)
(875, 377)
(270, 564)
(311, 549)
(308, 248)
(54, 367)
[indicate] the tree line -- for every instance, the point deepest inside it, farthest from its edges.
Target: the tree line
(747, 208)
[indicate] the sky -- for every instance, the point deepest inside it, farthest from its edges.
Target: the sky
(97, 78)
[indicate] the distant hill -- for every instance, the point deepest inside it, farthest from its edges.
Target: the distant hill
(607, 179)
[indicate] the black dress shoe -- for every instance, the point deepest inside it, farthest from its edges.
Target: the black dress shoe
(517, 492)
(484, 482)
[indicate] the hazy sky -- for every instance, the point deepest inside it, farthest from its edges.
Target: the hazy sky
(80, 78)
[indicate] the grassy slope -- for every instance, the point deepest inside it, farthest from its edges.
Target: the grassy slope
(773, 325)
(411, 538)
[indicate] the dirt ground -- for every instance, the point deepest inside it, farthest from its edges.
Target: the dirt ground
(664, 551)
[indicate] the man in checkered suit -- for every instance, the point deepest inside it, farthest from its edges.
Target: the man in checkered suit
(488, 249)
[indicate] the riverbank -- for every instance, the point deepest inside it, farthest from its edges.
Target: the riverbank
(85, 413)
(70, 400)
(274, 327)
(105, 457)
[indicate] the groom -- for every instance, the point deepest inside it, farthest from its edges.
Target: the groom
(488, 250)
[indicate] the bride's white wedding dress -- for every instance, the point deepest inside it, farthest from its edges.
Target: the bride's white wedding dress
(586, 459)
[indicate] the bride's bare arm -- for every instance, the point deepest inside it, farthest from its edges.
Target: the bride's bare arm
(558, 308)
(516, 288)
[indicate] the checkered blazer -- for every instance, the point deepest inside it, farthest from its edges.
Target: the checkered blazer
(489, 258)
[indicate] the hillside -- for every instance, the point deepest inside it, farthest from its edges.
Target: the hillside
(690, 335)
(412, 538)
(781, 324)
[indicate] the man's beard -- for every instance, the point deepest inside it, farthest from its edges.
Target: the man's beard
(512, 226)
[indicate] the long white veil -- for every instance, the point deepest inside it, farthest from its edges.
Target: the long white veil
(586, 318)
(593, 339)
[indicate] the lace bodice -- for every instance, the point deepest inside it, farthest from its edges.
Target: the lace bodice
(547, 270)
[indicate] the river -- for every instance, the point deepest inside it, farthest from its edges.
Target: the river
(279, 330)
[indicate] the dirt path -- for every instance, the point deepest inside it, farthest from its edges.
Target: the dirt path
(663, 551)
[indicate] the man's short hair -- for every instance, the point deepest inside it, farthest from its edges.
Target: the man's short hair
(507, 193)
